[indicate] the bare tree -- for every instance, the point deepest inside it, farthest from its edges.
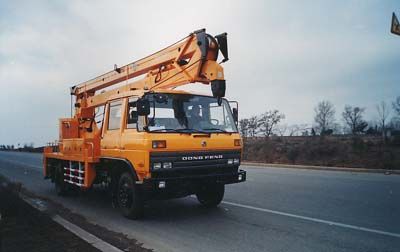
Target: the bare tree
(298, 129)
(253, 126)
(324, 116)
(291, 130)
(244, 127)
(269, 120)
(353, 117)
(396, 105)
(395, 123)
(281, 129)
(383, 113)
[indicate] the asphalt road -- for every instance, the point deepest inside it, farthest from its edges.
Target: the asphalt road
(277, 209)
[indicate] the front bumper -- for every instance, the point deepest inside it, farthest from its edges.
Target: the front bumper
(174, 187)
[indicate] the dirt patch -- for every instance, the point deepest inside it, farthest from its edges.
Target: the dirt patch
(24, 228)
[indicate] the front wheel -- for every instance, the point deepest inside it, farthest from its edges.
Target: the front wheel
(211, 195)
(128, 197)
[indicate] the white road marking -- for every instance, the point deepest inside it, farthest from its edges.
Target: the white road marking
(332, 223)
(84, 235)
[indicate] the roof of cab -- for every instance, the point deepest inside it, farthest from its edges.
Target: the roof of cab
(174, 91)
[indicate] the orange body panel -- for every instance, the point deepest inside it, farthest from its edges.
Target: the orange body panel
(68, 128)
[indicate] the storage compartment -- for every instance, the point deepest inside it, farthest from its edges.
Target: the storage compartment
(69, 128)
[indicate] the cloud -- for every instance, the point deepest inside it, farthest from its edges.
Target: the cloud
(283, 54)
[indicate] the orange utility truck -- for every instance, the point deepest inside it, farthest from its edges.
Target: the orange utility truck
(146, 140)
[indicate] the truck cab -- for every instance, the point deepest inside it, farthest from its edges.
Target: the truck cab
(183, 144)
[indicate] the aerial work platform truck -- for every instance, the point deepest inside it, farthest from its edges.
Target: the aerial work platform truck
(143, 138)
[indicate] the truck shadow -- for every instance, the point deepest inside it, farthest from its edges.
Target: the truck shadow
(180, 209)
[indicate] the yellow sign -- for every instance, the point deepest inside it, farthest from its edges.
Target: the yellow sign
(395, 25)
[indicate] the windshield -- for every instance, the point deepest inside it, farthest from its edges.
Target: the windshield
(189, 113)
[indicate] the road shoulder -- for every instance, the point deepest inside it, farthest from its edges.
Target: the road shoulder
(53, 225)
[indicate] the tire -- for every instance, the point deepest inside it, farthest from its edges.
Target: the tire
(211, 195)
(128, 197)
(60, 186)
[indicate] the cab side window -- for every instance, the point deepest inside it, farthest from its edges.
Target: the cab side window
(132, 116)
(114, 116)
(99, 116)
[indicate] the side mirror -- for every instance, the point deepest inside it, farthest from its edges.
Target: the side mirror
(218, 88)
(235, 115)
(143, 107)
(235, 111)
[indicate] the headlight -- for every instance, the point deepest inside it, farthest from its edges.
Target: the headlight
(236, 160)
(167, 165)
(230, 161)
(156, 166)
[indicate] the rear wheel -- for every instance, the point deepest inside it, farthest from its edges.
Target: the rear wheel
(211, 195)
(128, 197)
(60, 186)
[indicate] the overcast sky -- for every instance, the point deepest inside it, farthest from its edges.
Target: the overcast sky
(285, 55)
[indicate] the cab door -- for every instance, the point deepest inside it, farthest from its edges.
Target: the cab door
(133, 142)
(111, 140)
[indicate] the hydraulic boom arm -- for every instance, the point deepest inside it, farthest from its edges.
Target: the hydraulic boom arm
(192, 59)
